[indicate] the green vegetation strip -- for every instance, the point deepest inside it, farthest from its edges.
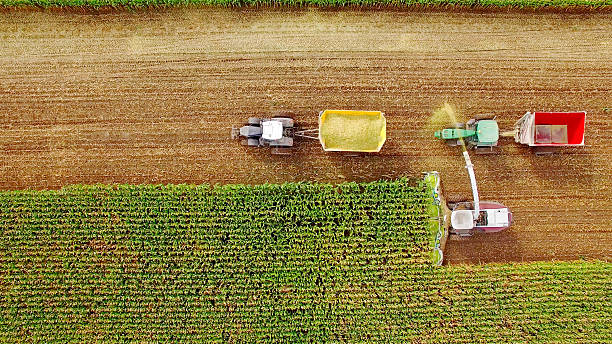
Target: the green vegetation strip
(302, 3)
(272, 263)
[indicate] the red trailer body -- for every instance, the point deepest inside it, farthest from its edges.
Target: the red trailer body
(551, 129)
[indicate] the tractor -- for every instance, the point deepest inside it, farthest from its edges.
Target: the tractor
(276, 133)
(480, 134)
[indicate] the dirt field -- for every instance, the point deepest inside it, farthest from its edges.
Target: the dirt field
(150, 98)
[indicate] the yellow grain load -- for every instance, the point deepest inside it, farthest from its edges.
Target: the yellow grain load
(352, 131)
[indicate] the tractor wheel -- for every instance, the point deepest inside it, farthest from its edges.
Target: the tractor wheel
(453, 142)
(459, 125)
(281, 151)
(287, 121)
(542, 151)
(253, 142)
(462, 232)
(254, 121)
(244, 142)
(486, 150)
(285, 114)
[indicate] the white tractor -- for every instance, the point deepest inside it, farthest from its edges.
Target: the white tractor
(276, 132)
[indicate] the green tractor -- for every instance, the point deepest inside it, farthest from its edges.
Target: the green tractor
(480, 134)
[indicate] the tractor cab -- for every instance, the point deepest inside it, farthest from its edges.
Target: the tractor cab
(272, 130)
(487, 132)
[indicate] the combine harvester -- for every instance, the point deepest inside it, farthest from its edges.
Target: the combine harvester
(546, 132)
(464, 217)
(468, 216)
(348, 131)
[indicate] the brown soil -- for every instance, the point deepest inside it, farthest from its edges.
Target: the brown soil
(150, 97)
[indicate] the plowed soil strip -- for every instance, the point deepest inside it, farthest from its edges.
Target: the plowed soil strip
(150, 97)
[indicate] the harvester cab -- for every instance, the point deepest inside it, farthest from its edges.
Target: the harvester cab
(480, 133)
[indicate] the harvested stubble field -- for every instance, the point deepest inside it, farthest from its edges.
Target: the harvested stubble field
(555, 5)
(148, 97)
(300, 263)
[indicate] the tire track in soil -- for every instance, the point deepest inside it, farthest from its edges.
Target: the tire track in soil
(149, 97)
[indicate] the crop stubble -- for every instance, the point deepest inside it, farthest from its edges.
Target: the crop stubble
(148, 97)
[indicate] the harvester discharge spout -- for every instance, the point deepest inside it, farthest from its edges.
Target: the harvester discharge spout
(470, 167)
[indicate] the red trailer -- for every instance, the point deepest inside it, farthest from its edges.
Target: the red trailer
(547, 131)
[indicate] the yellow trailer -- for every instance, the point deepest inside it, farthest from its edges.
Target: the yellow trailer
(352, 131)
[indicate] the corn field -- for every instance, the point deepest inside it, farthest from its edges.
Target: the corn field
(301, 262)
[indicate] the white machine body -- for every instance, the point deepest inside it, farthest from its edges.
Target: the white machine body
(272, 130)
